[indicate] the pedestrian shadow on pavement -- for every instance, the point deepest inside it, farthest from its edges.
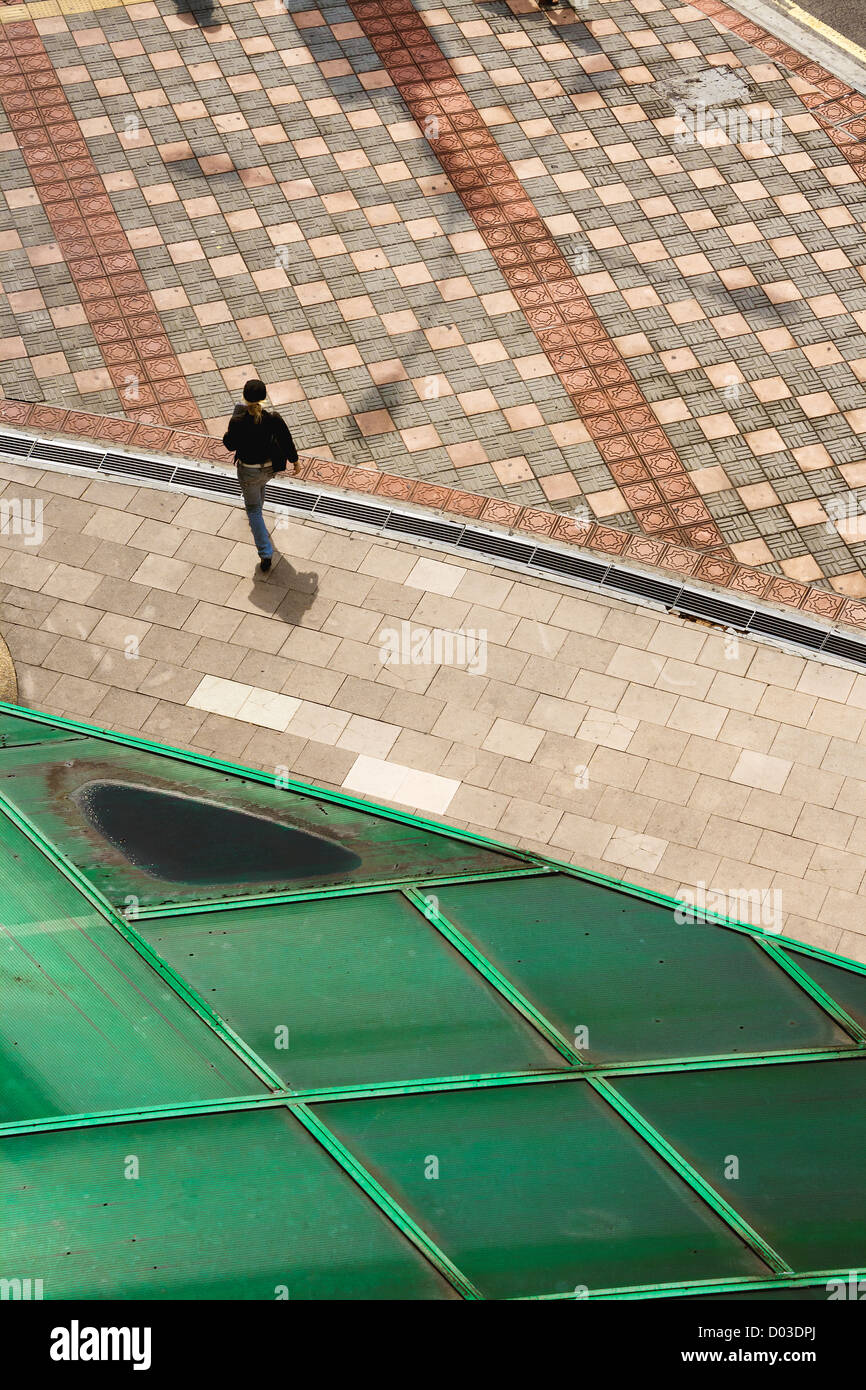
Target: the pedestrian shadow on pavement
(199, 12)
(284, 593)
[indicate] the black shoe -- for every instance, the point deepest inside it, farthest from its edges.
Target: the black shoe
(266, 564)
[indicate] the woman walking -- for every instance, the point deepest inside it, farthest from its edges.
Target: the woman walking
(262, 445)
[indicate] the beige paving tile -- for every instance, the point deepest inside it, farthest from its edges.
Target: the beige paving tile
(77, 696)
(608, 728)
(514, 740)
(167, 644)
(435, 576)
(404, 785)
(318, 722)
(323, 765)
(837, 869)
(748, 731)
(634, 851)
(218, 659)
(617, 769)
(210, 585)
(218, 696)
(828, 682)
(250, 668)
(526, 818)
(587, 838)
(422, 751)
(72, 658)
(120, 631)
(68, 582)
(106, 523)
(124, 710)
(156, 537)
(162, 572)
(659, 744)
(475, 807)
(628, 810)
(370, 736)
(558, 716)
(122, 672)
(209, 620)
(268, 709)
(171, 684)
(761, 770)
(833, 719)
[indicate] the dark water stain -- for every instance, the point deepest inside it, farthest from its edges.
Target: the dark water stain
(192, 840)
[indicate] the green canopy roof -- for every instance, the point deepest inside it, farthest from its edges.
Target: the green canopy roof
(262, 1040)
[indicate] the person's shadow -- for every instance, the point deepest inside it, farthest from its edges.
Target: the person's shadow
(284, 593)
(200, 12)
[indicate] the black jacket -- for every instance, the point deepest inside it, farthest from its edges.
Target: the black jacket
(256, 443)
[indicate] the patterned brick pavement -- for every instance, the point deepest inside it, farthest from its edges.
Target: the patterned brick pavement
(667, 556)
(288, 216)
(629, 742)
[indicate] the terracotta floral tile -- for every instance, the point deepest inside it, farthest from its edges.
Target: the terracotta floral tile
(854, 613)
(502, 513)
(567, 528)
(361, 479)
(15, 412)
(748, 581)
(535, 522)
(466, 504)
(431, 495)
(823, 604)
(714, 570)
(611, 542)
(786, 591)
(680, 560)
(387, 485)
(47, 417)
(325, 471)
(151, 437)
(650, 552)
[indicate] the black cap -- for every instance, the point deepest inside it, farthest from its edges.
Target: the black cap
(255, 390)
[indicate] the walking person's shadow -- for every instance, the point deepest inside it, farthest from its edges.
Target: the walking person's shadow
(284, 593)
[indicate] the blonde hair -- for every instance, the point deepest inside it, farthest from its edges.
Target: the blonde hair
(255, 409)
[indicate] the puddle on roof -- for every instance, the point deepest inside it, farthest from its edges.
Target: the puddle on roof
(189, 839)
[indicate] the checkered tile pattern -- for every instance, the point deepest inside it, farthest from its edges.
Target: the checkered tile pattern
(112, 291)
(666, 556)
(289, 217)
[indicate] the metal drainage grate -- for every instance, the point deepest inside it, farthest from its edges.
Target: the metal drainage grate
(675, 598)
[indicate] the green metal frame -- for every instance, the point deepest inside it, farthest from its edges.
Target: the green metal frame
(576, 1069)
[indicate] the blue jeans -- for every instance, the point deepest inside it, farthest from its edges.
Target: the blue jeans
(253, 479)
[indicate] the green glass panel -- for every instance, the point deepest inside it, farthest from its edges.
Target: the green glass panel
(85, 1024)
(163, 830)
(639, 983)
(15, 730)
(847, 987)
(233, 1206)
(344, 992)
(797, 1132)
(538, 1188)
(816, 1294)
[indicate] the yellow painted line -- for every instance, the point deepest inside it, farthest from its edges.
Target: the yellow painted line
(45, 9)
(802, 17)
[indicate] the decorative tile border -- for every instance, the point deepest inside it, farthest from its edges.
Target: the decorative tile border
(609, 403)
(113, 293)
(675, 560)
(835, 105)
